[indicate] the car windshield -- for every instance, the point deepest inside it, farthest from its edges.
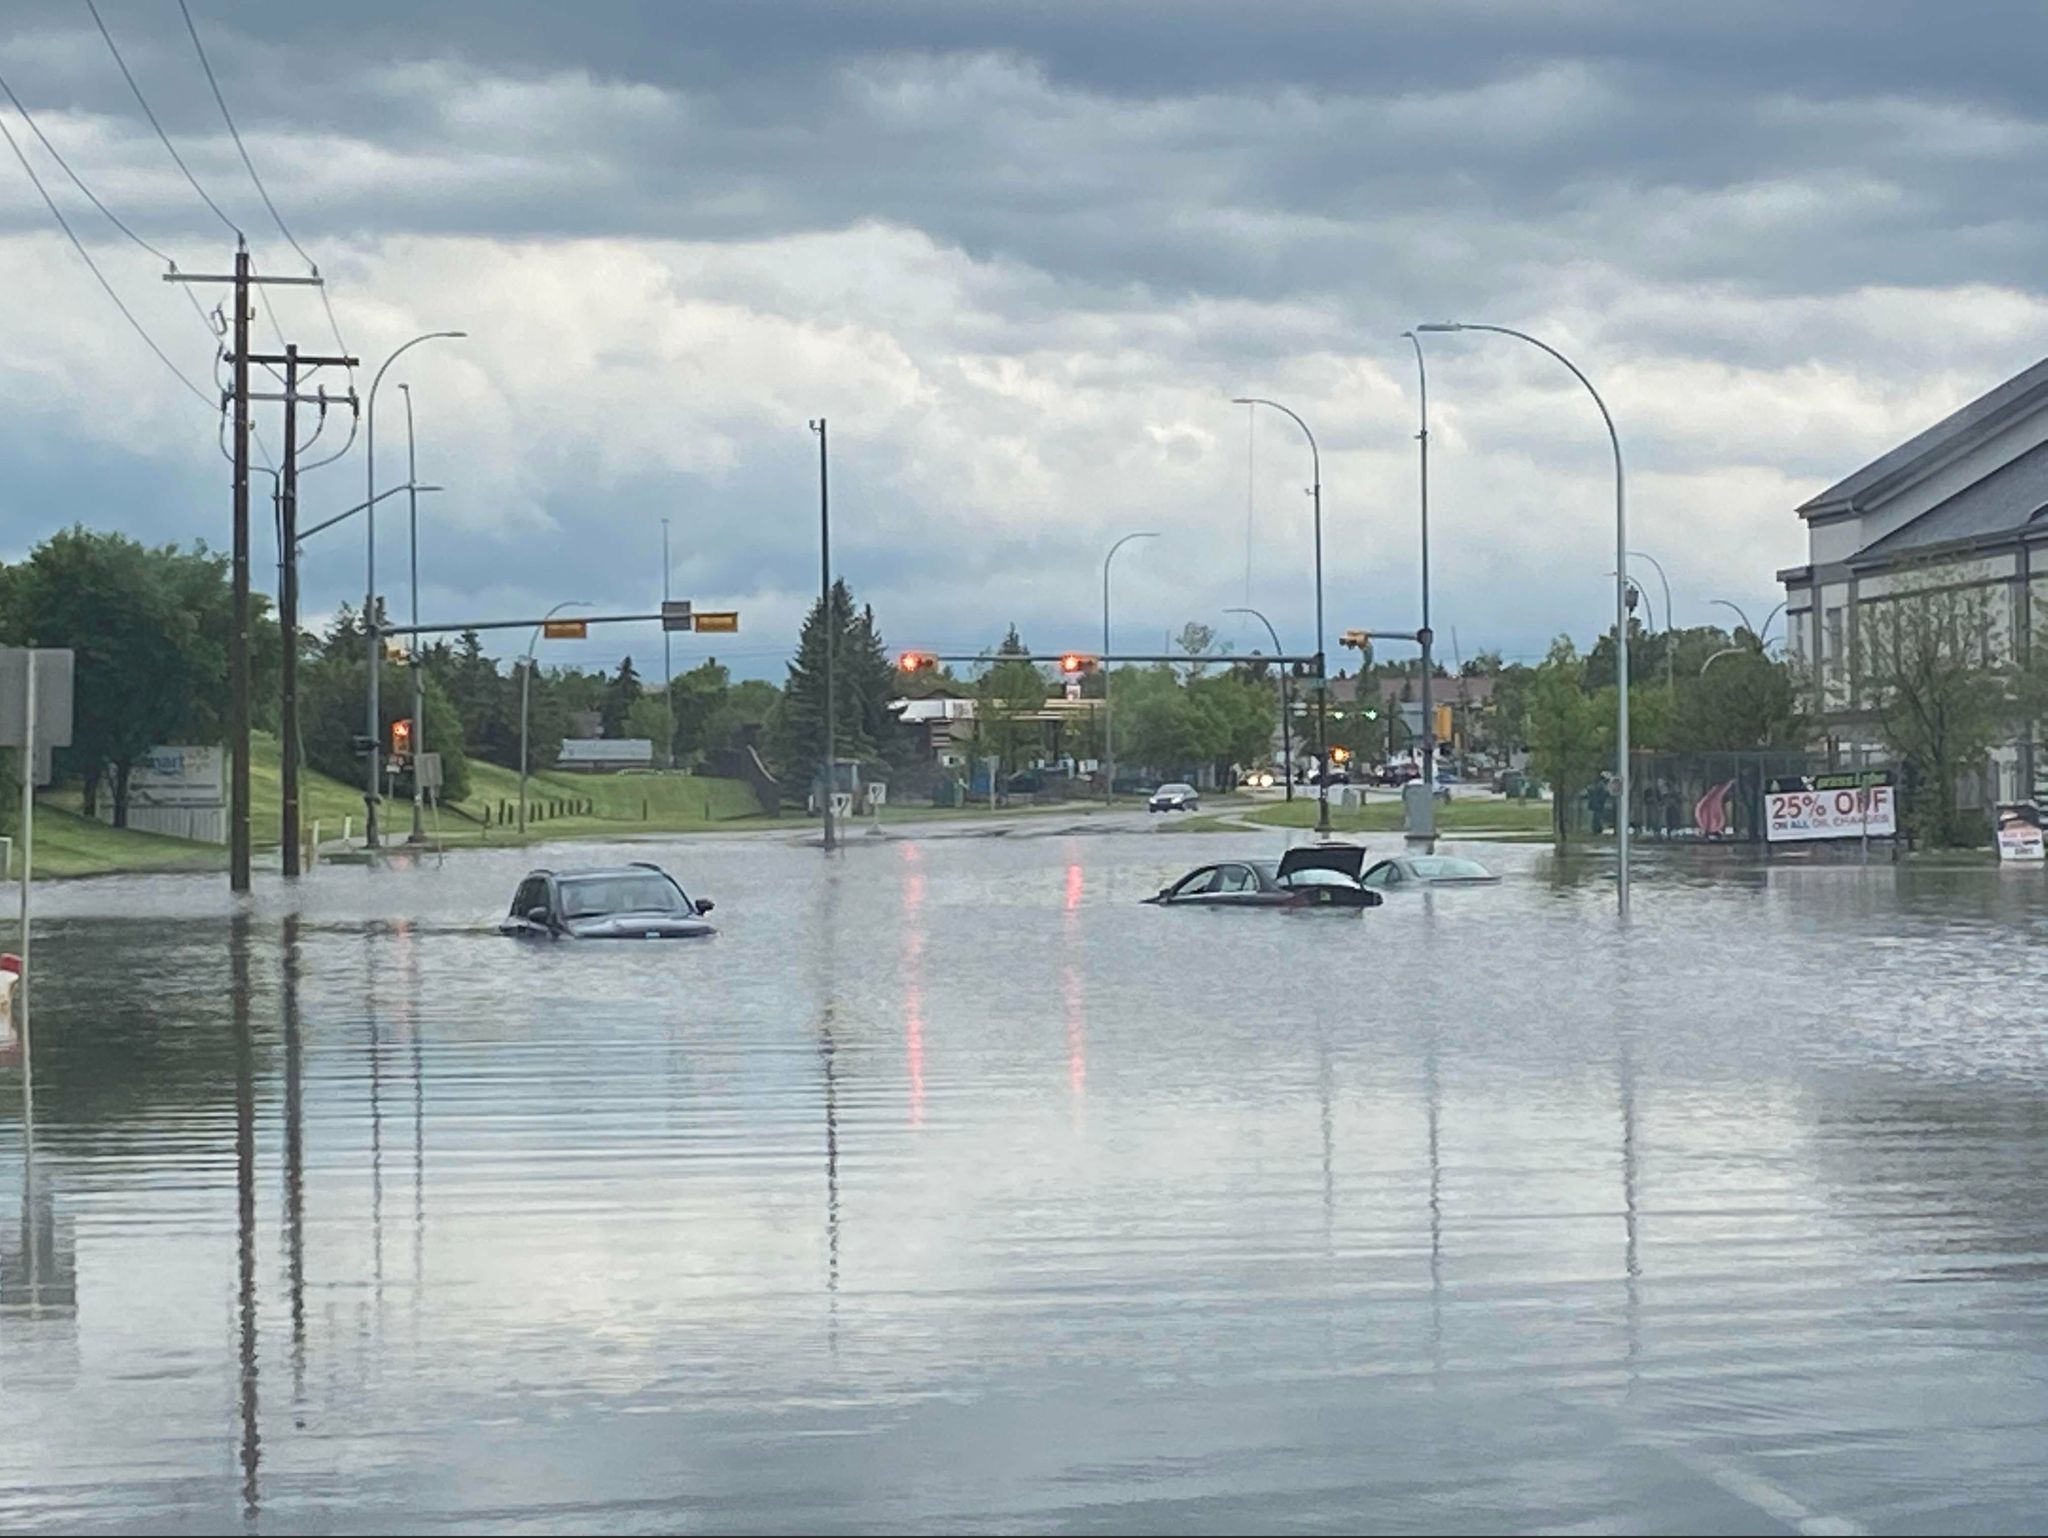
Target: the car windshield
(1318, 875)
(1444, 867)
(1175, 789)
(586, 897)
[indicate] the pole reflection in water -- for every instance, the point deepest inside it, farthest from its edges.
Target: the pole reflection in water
(376, 1123)
(1074, 995)
(419, 1127)
(245, 1197)
(827, 1019)
(1632, 1261)
(1432, 1087)
(913, 982)
(295, 1161)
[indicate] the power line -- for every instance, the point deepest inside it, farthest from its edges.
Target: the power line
(143, 103)
(261, 191)
(235, 134)
(77, 181)
(86, 257)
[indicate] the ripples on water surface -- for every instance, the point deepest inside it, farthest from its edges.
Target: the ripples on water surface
(948, 1187)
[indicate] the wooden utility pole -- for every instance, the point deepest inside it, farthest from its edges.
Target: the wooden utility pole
(288, 616)
(238, 400)
(238, 646)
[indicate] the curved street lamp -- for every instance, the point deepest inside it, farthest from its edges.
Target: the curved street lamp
(1670, 637)
(1621, 750)
(373, 636)
(1322, 687)
(1108, 716)
(1428, 636)
(526, 690)
(1286, 702)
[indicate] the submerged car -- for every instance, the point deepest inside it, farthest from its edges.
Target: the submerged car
(1174, 798)
(1409, 872)
(1313, 876)
(640, 901)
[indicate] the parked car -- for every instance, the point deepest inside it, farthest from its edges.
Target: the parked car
(1412, 872)
(640, 901)
(1307, 877)
(1174, 797)
(1398, 774)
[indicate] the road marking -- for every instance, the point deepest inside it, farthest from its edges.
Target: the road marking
(1766, 1497)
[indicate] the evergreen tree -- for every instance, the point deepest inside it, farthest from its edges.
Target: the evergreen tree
(800, 723)
(619, 695)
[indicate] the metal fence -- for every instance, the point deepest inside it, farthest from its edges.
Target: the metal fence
(1714, 796)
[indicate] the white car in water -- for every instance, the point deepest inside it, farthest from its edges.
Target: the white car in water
(1175, 797)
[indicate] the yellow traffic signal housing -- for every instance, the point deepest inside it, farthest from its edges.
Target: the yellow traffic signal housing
(1443, 723)
(1074, 662)
(915, 662)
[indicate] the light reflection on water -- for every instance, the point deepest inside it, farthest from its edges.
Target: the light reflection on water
(948, 1186)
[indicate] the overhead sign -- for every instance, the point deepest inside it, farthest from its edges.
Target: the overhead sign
(2019, 832)
(1854, 805)
(724, 621)
(565, 629)
(675, 614)
(188, 778)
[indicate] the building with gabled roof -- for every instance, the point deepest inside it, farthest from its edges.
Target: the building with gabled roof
(1963, 504)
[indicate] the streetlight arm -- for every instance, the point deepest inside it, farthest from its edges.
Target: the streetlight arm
(1315, 457)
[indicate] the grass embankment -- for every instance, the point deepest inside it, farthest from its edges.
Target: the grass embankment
(1471, 819)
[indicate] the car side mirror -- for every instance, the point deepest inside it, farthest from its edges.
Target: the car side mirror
(705, 905)
(538, 916)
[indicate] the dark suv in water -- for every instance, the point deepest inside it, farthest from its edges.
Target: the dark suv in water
(640, 901)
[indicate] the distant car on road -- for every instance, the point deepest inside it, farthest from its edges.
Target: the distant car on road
(1308, 877)
(1412, 872)
(640, 901)
(1174, 797)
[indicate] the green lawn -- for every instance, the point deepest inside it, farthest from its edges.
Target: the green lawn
(67, 844)
(1511, 818)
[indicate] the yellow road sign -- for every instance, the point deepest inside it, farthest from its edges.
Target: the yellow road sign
(723, 621)
(565, 630)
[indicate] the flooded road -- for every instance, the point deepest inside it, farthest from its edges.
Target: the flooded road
(948, 1187)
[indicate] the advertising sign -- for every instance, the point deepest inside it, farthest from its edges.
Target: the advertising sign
(2019, 831)
(192, 778)
(1851, 805)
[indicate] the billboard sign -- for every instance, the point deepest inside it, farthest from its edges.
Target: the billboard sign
(193, 779)
(1859, 804)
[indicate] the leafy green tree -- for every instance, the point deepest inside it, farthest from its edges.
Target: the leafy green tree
(1569, 736)
(331, 720)
(1743, 700)
(1938, 702)
(1239, 715)
(150, 630)
(1008, 691)
(650, 717)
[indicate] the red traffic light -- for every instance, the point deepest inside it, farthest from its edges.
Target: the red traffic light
(401, 738)
(1074, 662)
(915, 662)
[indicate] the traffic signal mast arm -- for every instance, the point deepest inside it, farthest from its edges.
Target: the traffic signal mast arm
(1092, 659)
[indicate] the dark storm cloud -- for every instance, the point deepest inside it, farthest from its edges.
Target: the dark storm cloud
(1136, 210)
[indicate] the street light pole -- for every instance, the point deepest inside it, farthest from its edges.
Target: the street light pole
(1286, 703)
(1427, 636)
(1621, 749)
(825, 625)
(1322, 686)
(668, 700)
(412, 523)
(370, 631)
(1108, 684)
(1670, 635)
(526, 691)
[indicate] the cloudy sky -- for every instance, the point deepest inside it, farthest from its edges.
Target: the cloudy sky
(1021, 257)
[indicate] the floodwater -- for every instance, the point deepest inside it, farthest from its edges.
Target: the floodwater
(950, 1188)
